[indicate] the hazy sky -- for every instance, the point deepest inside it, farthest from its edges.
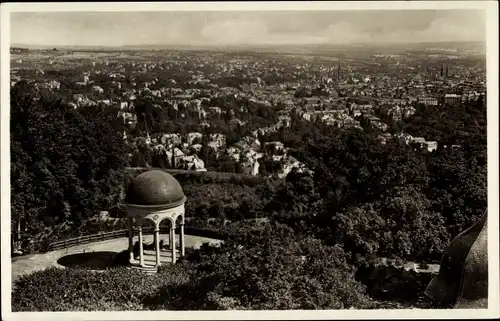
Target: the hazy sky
(250, 27)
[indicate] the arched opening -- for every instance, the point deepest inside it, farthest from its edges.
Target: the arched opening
(165, 228)
(147, 227)
(180, 243)
(178, 222)
(165, 241)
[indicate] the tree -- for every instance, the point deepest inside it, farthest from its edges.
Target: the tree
(138, 160)
(67, 164)
(458, 187)
(275, 271)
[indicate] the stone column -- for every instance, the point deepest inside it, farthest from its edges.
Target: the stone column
(181, 239)
(130, 238)
(172, 242)
(157, 244)
(141, 254)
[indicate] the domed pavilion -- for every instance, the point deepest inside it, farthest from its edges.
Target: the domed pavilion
(462, 282)
(155, 196)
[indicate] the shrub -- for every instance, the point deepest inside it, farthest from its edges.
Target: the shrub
(122, 258)
(263, 272)
(71, 289)
(394, 284)
(274, 273)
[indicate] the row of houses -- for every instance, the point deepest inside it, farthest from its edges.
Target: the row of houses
(408, 139)
(398, 113)
(178, 159)
(248, 157)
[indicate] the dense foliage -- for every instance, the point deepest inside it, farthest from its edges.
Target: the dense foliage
(237, 117)
(457, 124)
(76, 289)
(396, 285)
(372, 199)
(267, 273)
(277, 271)
(389, 199)
(290, 244)
(66, 164)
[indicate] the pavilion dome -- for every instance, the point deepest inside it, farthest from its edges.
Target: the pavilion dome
(155, 188)
(462, 281)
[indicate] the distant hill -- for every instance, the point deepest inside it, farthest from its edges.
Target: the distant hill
(288, 48)
(18, 49)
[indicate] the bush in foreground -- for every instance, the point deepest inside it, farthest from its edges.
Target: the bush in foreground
(71, 289)
(267, 271)
(277, 273)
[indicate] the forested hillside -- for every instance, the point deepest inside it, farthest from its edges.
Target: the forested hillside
(365, 200)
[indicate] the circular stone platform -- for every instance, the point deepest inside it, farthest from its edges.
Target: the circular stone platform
(23, 265)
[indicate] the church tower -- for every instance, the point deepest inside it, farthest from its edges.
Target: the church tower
(338, 72)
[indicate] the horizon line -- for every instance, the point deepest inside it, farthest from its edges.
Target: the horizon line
(27, 46)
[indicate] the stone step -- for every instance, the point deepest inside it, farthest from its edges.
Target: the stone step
(146, 269)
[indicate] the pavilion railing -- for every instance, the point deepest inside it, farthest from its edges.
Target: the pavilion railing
(58, 245)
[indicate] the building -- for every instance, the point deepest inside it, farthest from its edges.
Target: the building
(128, 118)
(194, 163)
(175, 157)
(274, 147)
(289, 163)
(154, 196)
(429, 101)
(98, 89)
(418, 140)
(54, 85)
(285, 120)
(404, 138)
(215, 110)
(106, 102)
(255, 168)
(170, 139)
(191, 138)
(217, 141)
(452, 99)
(196, 147)
(307, 116)
(430, 146)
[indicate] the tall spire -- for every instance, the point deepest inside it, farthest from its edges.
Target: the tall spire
(442, 70)
(338, 70)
